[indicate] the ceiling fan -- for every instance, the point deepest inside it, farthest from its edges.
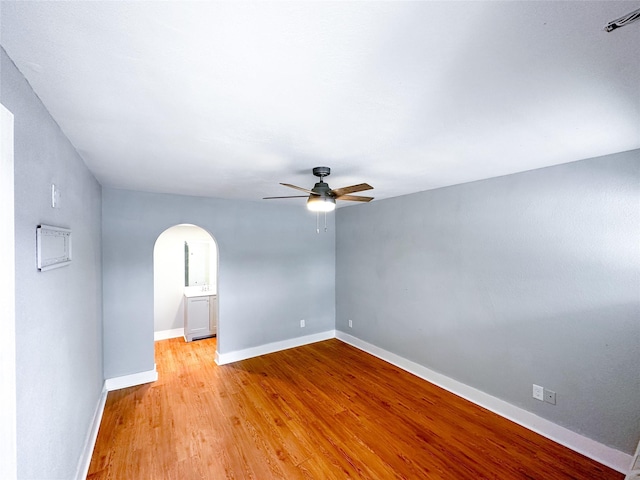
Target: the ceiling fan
(322, 198)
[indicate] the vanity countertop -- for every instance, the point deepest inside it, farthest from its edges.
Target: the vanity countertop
(190, 292)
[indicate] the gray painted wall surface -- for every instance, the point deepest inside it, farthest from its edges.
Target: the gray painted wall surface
(502, 283)
(58, 313)
(274, 270)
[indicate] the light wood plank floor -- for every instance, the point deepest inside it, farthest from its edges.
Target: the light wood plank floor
(322, 411)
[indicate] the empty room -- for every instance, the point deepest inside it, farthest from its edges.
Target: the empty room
(320, 240)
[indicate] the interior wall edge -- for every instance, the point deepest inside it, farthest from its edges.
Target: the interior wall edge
(634, 469)
(8, 425)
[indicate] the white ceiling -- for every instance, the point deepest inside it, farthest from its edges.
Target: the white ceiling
(228, 99)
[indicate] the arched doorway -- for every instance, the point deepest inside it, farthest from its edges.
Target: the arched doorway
(185, 265)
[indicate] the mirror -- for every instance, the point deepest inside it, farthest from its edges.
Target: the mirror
(196, 263)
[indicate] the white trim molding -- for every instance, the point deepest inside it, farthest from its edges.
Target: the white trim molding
(8, 425)
(236, 356)
(166, 334)
(92, 436)
(132, 380)
(608, 456)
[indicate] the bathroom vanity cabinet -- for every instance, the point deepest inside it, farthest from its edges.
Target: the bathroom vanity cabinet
(200, 316)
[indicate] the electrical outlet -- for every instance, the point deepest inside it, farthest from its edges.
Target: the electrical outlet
(549, 396)
(302, 323)
(538, 392)
(350, 324)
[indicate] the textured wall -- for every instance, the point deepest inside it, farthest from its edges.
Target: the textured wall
(502, 283)
(58, 313)
(274, 270)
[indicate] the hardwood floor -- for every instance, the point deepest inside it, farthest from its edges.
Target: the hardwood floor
(322, 411)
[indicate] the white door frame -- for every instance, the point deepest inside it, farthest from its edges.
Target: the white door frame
(8, 442)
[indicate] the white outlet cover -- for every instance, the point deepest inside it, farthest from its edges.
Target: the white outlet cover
(350, 324)
(538, 392)
(301, 323)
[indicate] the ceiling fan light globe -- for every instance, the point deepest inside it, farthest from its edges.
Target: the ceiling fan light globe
(321, 204)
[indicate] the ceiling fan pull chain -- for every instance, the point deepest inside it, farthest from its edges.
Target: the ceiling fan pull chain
(317, 222)
(325, 221)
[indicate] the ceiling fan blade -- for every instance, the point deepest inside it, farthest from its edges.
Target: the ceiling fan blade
(354, 198)
(352, 189)
(299, 188)
(290, 196)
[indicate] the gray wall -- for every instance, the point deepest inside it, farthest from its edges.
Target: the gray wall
(502, 283)
(274, 270)
(58, 313)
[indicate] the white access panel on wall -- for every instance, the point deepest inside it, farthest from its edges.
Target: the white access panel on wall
(53, 247)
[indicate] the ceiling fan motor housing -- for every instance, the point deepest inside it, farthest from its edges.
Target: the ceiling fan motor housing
(323, 189)
(321, 172)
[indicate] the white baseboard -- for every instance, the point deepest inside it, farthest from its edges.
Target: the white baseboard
(92, 435)
(110, 384)
(224, 358)
(132, 380)
(166, 334)
(590, 448)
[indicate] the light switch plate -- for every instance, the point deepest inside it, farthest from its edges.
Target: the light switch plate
(55, 196)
